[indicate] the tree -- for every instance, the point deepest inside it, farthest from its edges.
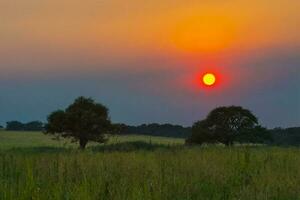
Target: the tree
(226, 125)
(119, 128)
(34, 126)
(286, 137)
(19, 126)
(83, 121)
(257, 135)
(154, 129)
(14, 126)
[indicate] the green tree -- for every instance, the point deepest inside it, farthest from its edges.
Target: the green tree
(227, 125)
(14, 126)
(83, 121)
(34, 126)
(257, 135)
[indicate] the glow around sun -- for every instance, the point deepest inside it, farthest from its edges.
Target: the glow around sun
(209, 79)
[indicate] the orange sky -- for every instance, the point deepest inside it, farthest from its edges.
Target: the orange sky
(124, 28)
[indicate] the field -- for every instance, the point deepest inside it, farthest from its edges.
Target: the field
(33, 166)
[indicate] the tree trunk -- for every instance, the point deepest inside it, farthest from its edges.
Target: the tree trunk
(82, 143)
(228, 143)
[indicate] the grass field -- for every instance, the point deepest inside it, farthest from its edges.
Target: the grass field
(15, 139)
(33, 166)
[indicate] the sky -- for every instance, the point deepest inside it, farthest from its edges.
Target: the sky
(144, 59)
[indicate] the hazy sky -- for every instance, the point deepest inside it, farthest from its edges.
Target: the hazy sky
(143, 59)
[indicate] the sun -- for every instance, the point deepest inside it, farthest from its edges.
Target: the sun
(209, 79)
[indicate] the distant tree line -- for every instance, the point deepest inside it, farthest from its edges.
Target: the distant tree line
(286, 137)
(19, 126)
(86, 120)
(277, 136)
(155, 129)
(240, 130)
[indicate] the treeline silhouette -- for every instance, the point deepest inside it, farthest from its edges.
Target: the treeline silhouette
(155, 129)
(281, 136)
(19, 126)
(286, 137)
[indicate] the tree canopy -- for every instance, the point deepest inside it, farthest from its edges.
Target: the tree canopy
(286, 136)
(154, 129)
(14, 126)
(83, 121)
(227, 125)
(19, 126)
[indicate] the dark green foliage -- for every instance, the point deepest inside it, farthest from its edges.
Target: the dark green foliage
(14, 126)
(34, 126)
(154, 129)
(1, 127)
(286, 137)
(120, 128)
(56, 122)
(19, 126)
(84, 121)
(257, 135)
(201, 134)
(227, 125)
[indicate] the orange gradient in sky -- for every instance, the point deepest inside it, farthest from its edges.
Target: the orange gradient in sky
(118, 30)
(204, 33)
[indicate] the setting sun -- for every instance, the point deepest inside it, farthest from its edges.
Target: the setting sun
(209, 79)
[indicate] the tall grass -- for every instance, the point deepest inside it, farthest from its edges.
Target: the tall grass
(161, 172)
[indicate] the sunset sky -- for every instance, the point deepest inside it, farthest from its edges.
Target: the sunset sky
(144, 59)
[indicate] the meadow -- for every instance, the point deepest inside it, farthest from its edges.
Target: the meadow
(33, 166)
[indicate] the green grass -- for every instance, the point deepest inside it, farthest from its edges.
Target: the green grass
(16, 139)
(32, 166)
